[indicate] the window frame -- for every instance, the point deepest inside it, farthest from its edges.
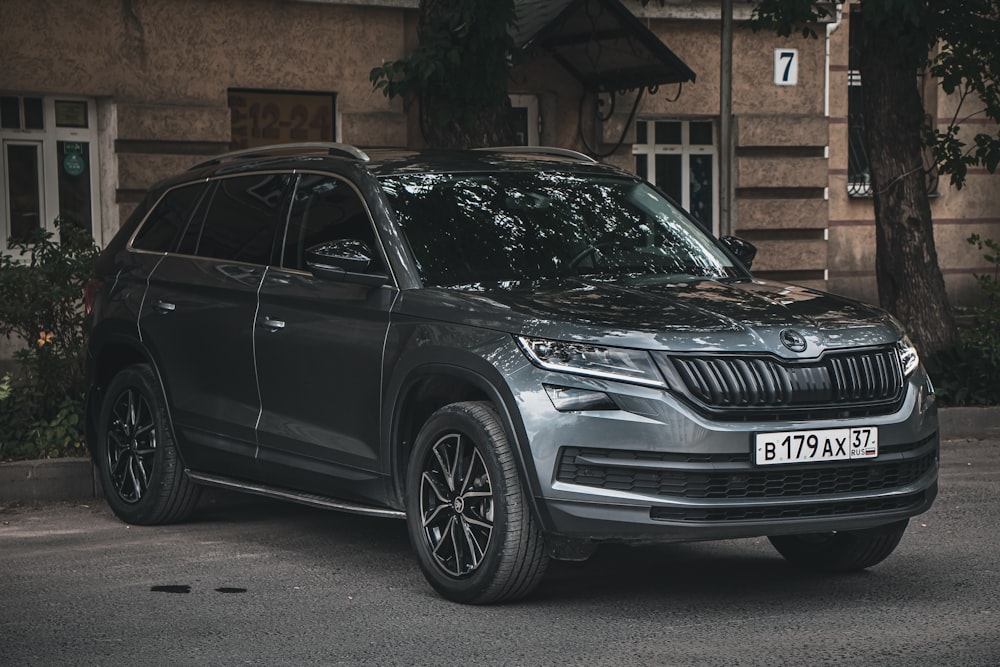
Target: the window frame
(686, 150)
(49, 137)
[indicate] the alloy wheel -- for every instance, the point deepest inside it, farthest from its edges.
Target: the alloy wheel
(131, 445)
(456, 505)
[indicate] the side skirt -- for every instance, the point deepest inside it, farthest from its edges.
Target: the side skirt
(284, 494)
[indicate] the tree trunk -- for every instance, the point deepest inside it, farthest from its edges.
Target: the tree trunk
(910, 284)
(466, 105)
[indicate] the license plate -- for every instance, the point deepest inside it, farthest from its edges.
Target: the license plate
(829, 444)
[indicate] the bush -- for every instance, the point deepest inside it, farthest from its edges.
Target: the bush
(969, 374)
(41, 289)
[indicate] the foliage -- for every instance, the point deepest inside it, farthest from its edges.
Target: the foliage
(969, 374)
(458, 72)
(966, 63)
(41, 285)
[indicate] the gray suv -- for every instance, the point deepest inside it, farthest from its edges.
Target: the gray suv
(522, 352)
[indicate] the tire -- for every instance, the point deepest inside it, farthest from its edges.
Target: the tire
(476, 539)
(843, 551)
(140, 469)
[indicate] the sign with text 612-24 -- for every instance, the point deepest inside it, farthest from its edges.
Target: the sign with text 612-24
(265, 118)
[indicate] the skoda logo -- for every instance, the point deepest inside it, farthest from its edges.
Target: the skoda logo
(793, 340)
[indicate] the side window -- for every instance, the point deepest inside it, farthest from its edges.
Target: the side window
(326, 209)
(241, 219)
(166, 223)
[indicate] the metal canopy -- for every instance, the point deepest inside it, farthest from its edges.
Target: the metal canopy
(600, 42)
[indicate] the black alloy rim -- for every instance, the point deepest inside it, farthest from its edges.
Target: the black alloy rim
(456, 505)
(131, 445)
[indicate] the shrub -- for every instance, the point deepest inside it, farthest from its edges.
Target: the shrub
(41, 288)
(969, 374)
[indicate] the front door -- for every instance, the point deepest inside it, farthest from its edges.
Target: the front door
(319, 349)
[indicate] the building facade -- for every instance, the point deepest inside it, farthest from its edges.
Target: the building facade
(100, 99)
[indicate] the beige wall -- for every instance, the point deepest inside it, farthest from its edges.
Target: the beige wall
(160, 71)
(957, 213)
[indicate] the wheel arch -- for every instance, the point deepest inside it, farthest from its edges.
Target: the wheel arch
(429, 384)
(108, 354)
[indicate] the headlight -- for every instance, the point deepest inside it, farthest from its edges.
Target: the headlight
(610, 363)
(908, 357)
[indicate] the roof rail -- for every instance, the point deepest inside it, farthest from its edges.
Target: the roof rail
(541, 150)
(326, 147)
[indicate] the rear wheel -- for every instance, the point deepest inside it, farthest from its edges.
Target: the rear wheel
(841, 551)
(140, 469)
(475, 536)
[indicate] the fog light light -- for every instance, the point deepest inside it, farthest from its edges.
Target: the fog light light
(566, 399)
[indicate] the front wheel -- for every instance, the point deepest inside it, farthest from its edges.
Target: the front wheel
(476, 539)
(841, 551)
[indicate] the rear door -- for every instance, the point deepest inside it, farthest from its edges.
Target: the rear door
(197, 319)
(319, 346)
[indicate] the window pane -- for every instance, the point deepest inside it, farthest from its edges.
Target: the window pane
(242, 219)
(668, 176)
(640, 132)
(33, 113)
(71, 113)
(160, 231)
(74, 182)
(641, 168)
(24, 191)
(668, 132)
(701, 189)
(10, 113)
(701, 133)
(325, 209)
(518, 120)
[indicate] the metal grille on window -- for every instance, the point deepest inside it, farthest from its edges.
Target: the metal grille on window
(859, 182)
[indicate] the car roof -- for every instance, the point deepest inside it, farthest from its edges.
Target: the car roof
(382, 162)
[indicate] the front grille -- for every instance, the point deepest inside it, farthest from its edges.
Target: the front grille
(847, 384)
(648, 474)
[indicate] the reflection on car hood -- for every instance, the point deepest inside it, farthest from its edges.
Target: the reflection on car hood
(701, 314)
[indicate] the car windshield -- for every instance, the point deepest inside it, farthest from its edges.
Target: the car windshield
(482, 228)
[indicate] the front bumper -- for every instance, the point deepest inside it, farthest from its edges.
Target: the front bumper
(656, 470)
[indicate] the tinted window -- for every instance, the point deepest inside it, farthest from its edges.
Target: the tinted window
(326, 209)
(167, 221)
(242, 217)
(467, 229)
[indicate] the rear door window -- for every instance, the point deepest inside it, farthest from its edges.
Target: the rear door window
(241, 219)
(166, 224)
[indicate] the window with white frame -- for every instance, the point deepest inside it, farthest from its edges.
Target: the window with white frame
(48, 153)
(524, 119)
(679, 157)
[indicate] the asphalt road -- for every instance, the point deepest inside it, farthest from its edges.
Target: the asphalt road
(256, 582)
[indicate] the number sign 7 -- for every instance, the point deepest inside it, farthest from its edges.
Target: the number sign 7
(786, 67)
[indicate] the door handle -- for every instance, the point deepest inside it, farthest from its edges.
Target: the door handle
(165, 307)
(273, 325)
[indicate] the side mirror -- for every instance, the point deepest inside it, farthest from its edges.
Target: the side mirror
(743, 250)
(343, 259)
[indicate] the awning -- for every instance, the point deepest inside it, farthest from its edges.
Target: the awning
(600, 42)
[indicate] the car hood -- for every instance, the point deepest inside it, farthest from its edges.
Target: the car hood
(658, 314)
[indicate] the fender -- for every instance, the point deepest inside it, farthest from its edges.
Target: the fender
(474, 370)
(118, 333)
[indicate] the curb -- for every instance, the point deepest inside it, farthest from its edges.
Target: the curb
(969, 423)
(49, 480)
